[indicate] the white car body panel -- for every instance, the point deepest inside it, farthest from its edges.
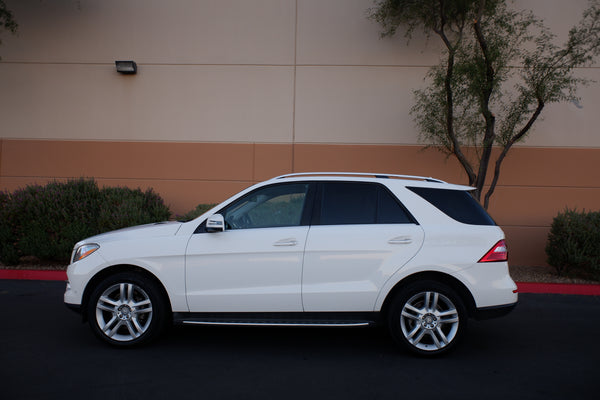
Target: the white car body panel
(246, 270)
(155, 248)
(136, 233)
(490, 284)
(345, 266)
(455, 249)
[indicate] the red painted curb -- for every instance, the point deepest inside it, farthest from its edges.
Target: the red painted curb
(523, 287)
(558, 288)
(33, 275)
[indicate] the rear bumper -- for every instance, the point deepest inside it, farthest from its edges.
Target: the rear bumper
(494, 312)
(490, 285)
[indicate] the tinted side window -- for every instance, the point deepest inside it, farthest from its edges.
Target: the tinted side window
(271, 206)
(348, 203)
(343, 203)
(457, 204)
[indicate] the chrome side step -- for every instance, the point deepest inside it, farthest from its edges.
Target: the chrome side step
(283, 324)
(298, 319)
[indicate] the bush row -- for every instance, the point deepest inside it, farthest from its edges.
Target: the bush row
(573, 246)
(196, 212)
(47, 221)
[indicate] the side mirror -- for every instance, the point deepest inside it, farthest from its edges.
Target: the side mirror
(215, 223)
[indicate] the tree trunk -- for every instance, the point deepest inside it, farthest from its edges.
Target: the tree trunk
(507, 147)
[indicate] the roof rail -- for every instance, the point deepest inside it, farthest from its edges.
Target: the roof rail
(375, 175)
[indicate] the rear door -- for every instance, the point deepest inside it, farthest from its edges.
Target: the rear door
(361, 234)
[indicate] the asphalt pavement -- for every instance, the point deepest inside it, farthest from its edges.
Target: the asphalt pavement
(547, 348)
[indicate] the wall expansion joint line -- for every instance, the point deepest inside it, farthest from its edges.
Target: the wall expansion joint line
(294, 89)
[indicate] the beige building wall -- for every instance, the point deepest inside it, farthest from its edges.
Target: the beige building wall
(230, 92)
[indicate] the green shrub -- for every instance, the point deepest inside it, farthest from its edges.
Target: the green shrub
(121, 207)
(47, 221)
(196, 212)
(8, 252)
(573, 246)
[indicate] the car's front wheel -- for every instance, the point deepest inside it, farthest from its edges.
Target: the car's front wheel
(127, 309)
(428, 318)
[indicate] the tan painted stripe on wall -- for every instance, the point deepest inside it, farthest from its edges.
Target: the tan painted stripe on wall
(185, 174)
(535, 184)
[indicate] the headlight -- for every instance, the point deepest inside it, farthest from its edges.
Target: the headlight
(85, 250)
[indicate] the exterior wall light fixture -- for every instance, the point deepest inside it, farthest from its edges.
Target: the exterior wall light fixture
(126, 67)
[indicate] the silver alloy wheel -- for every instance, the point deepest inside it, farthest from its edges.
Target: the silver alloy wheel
(124, 312)
(429, 321)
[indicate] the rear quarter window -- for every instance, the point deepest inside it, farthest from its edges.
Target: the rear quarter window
(457, 204)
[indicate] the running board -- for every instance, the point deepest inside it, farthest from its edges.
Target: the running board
(278, 319)
(288, 324)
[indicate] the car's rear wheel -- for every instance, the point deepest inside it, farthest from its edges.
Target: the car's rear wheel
(127, 309)
(427, 318)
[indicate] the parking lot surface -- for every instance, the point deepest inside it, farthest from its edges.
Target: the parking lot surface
(547, 348)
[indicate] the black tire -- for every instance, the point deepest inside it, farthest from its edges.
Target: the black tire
(128, 309)
(428, 318)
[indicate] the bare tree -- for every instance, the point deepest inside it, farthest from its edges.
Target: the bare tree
(500, 69)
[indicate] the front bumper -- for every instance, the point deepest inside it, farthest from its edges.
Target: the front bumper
(72, 299)
(74, 307)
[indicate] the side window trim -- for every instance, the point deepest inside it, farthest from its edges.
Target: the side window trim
(309, 207)
(383, 189)
(316, 210)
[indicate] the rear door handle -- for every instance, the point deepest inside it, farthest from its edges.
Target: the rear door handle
(286, 242)
(400, 240)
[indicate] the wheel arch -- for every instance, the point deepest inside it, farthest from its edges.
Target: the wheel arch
(441, 277)
(106, 272)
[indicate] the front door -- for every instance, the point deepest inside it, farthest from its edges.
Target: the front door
(255, 265)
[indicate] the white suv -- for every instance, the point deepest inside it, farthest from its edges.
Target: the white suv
(315, 249)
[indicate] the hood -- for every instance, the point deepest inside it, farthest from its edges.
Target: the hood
(167, 228)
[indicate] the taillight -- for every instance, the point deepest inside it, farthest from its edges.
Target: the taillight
(497, 253)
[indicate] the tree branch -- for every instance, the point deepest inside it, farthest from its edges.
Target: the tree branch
(490, 119)
(507, 147)
(456, 147)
